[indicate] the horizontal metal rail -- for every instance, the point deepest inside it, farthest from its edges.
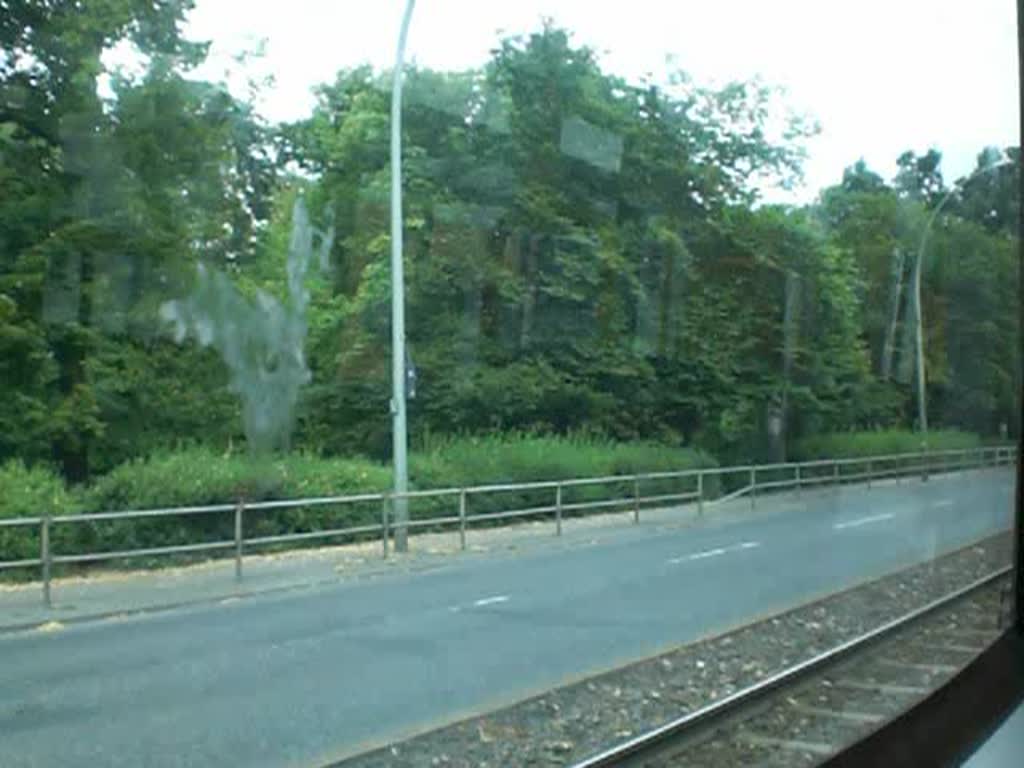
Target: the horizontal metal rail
(668, 475)
(147, 552)
(607, 480)
(429, 521)
(599, 504)
(657, 738)
(11, 564)
(529, 512)
(802, 474)
(689, 496)
(306, 535)
(315, 502)
(141, 514)
(504, 487)
(16, 522)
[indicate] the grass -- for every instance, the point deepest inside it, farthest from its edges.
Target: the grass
(468, 461)
(844, 445)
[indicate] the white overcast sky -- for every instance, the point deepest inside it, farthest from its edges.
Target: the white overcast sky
(880, 76)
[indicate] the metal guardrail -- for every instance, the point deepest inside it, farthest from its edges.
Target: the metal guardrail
(794, 475)
(636, 749)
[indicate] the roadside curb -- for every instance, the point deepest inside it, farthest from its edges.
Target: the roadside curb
(157, 608)
(6, 629)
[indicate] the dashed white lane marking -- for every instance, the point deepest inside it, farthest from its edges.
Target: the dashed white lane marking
(943, 503)
(479, 603)
(714, 552)
(702, 555)
(490, 600)
(863, 521)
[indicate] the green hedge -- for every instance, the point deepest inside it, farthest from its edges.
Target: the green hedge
(841, 445)
(28, 492)
(201, 476)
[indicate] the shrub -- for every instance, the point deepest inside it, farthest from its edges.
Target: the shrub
(198, 476)
(201, 476)
(28, 492)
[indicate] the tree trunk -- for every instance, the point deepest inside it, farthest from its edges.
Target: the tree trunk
(889, 342)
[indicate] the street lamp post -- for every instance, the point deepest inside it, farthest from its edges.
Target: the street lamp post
(922, 403)
(398, 405)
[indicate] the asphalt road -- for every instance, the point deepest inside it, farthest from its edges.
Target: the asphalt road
(306, 677)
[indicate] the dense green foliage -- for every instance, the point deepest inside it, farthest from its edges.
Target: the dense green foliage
(582, 254)
(26, 492)
(200, 476)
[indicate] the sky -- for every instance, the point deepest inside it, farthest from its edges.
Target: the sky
(879, 76)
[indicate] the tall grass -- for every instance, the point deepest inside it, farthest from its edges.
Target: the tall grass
(842, 445)
(523, 458)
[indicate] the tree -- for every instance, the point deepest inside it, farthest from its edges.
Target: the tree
(920, 177)
(990, 195)
(103, 203)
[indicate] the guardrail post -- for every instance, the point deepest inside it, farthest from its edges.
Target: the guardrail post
(558, 509)
(239, 511)
(384, 532)
(753, 487)
(835, 475)
(798, 480)
(462, 519)
(700, 493)
(47, 558)
(636, 499)
(870, 472)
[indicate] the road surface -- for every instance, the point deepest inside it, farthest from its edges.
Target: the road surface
(305, 677)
